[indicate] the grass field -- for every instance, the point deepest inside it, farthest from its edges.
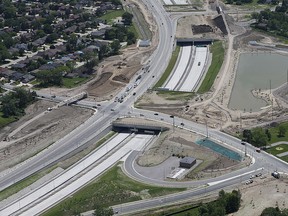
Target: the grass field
(73, 82)
(274, 133)
(169, 68)
(111, 189)
(285, 158)
(217, 61)
(278, 149)
(6, 121)
(176, 95)
(111, 15)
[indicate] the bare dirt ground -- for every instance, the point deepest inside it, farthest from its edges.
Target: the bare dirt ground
(263, 193)
(40, 133)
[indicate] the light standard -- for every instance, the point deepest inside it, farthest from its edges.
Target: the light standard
(173, 117)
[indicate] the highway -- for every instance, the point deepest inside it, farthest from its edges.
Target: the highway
(98, 125)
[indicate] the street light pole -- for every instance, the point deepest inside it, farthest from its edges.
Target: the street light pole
(206, 129)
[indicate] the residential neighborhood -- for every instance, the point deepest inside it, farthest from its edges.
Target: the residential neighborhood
(45, 36)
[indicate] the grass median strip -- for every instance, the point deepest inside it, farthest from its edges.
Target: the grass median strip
(114, 187)
(217, 61)
(169, 68)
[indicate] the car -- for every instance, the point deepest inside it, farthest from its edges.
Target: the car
(252, 176)
(155, 113)
(171, 116)
(112, 110)
(162, 119)
(249, 181)
(243, 143)
(258, 174)
(98, 104)
(275, 174)
(134, 93)
(53, 96)
(141, 115)
(182, 124)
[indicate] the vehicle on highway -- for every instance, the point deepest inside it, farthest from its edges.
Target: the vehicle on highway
(141, 115)
(182, 124)
(252, 176)
(243, 143)
(134, 93)
(258, 150)
(155, 113)
(112, 110)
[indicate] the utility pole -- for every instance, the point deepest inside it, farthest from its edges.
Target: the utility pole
(270, 86)
(206, 129)
(240, 121)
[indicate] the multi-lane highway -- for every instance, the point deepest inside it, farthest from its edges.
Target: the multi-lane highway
(98, 125)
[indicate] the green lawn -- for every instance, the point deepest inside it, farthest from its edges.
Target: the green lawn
(72, 82)
(274, 151)
(169, 68)
(176, 95)
(111, 189)
(111, 15)
(217, 61)
(6, 121)
(285, 158)
(274, 133)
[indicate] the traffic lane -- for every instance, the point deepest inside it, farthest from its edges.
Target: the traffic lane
(55, 152)
(137, 206)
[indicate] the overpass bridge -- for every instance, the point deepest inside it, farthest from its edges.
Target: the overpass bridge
(138, 126)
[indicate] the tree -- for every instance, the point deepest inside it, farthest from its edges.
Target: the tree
(259, 137)
(247, 135)
(232, 201)
(281, 130)
(115, 47)
(14, 103)
(271, 212)
(127, 18)
(50, 78)
(268, 134)
(102, 52)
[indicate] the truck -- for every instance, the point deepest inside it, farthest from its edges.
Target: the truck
(137, 83)
(128, 88)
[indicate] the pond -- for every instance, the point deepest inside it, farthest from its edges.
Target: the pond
(256, 71)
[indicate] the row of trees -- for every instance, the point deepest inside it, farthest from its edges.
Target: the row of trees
(274, 212)
(226, 203)
(14, 103)
(273, 21)
(259, 137)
